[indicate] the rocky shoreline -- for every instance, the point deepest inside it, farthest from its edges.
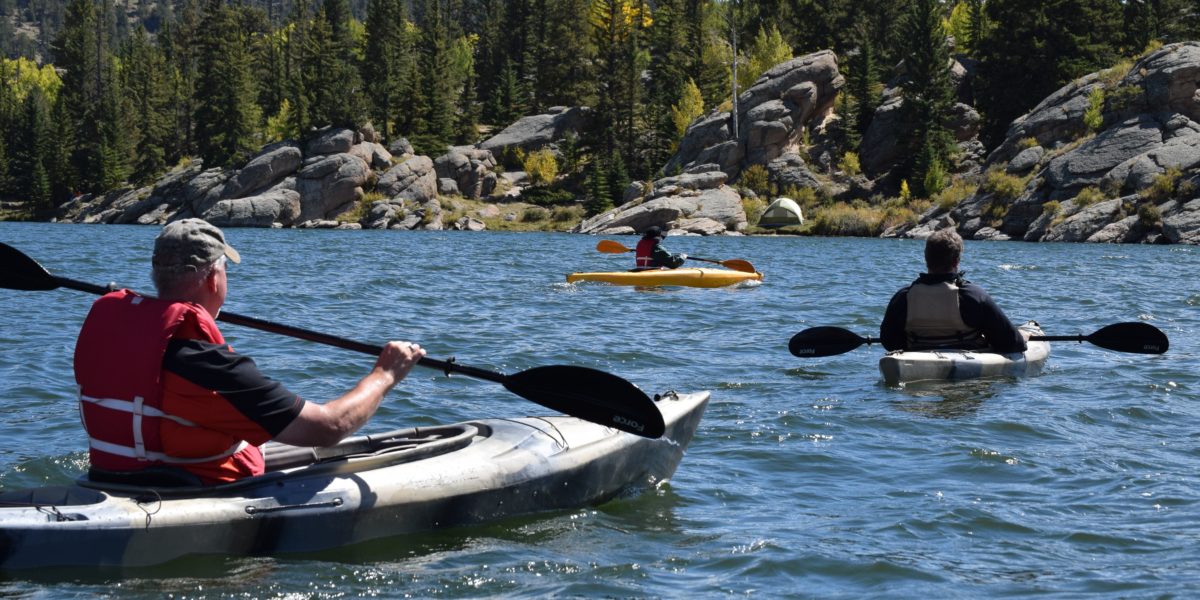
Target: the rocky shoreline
(1129, 173)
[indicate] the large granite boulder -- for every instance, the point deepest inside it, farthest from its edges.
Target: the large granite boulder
(470, 169)
(539, 131)
(414, 179)
(772, 116)
(697, 203)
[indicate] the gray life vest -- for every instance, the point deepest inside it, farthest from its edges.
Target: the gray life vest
(934, 319)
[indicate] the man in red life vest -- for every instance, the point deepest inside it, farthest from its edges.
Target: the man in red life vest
(942, 310)
(162, 393)
(652, 255)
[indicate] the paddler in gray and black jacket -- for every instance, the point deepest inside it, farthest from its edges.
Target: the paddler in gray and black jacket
(942, 310)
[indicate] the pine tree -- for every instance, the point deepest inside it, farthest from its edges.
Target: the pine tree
(1043, 46)
(78, 51)
(666, 85)
(435, 128)
(385, 46)
(147, 87)
(341, 104)
(226, 115)
(928, 89)
(466, 121)
(180, 45)
(862, 84)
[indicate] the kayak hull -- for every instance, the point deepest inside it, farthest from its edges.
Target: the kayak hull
(702, 278)
(951, 365)
(489, 469)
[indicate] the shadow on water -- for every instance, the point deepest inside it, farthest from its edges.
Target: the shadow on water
(945, 399)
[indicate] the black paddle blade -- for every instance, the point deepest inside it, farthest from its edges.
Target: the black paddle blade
(824, 341)
(19, 272)
(591, 395)
(1135, 337)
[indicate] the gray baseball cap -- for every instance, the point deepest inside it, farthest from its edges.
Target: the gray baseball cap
(191, 243)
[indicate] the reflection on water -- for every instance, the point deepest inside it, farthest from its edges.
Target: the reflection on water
(947, 399)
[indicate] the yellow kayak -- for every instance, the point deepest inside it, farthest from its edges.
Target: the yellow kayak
(703, 278)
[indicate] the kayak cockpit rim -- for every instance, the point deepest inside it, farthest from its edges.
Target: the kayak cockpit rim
(359, 453)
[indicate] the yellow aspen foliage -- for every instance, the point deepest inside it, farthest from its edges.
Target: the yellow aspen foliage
(690, 106)
(21, 75)
(541, 166)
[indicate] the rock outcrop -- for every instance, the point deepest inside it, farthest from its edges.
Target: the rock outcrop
(772, 116)
(696, 203)
(539, 131)
(1128, 174)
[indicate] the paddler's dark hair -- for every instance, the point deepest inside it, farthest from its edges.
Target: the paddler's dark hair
(943, 250)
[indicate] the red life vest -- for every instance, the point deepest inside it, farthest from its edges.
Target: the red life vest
(118, 368)
(645, 253)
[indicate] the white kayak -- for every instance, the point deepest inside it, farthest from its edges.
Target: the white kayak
(905, 366)
(366, 488)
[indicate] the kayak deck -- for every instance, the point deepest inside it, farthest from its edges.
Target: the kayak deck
(475, 472)
(701, 278)
(907, 366)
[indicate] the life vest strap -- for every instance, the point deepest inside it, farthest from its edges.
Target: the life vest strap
(127, 452)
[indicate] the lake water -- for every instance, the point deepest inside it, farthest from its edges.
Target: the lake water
(807, 477)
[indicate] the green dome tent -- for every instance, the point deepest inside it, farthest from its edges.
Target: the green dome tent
(781, 213)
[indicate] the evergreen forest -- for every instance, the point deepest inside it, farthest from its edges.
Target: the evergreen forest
(100, 94)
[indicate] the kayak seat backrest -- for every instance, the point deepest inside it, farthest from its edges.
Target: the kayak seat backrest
(151, 477)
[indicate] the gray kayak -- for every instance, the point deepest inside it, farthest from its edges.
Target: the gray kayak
(907, 366)
(366, 488)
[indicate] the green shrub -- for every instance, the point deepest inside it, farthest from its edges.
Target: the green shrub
(1163, 187)
(756, 179)
(850, 164)
(1123, 97)
(1149, 215)
(1027, 142)
(541, 166)
(1089, 196)
(534, 214)
(953, 195)
(1093, 117)
(935, 179)
(567, 214)
(754, 208)
(1003, 185)
(546, 196)
(1052, 208)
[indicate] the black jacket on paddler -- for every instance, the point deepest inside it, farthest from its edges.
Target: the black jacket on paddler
(976, 307)
(652, 255)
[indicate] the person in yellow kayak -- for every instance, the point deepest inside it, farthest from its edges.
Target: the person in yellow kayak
(941, 309)
(652, 255)
(165, 400)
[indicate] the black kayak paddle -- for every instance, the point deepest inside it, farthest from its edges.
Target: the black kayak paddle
(582, 392)
(1134, 337)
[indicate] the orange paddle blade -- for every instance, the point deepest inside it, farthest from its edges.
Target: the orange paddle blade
(611, 247)
(738, 264)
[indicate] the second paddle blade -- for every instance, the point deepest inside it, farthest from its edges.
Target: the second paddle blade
(19, 272)
(1134, 337)
(824, 341)
(591, 395)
